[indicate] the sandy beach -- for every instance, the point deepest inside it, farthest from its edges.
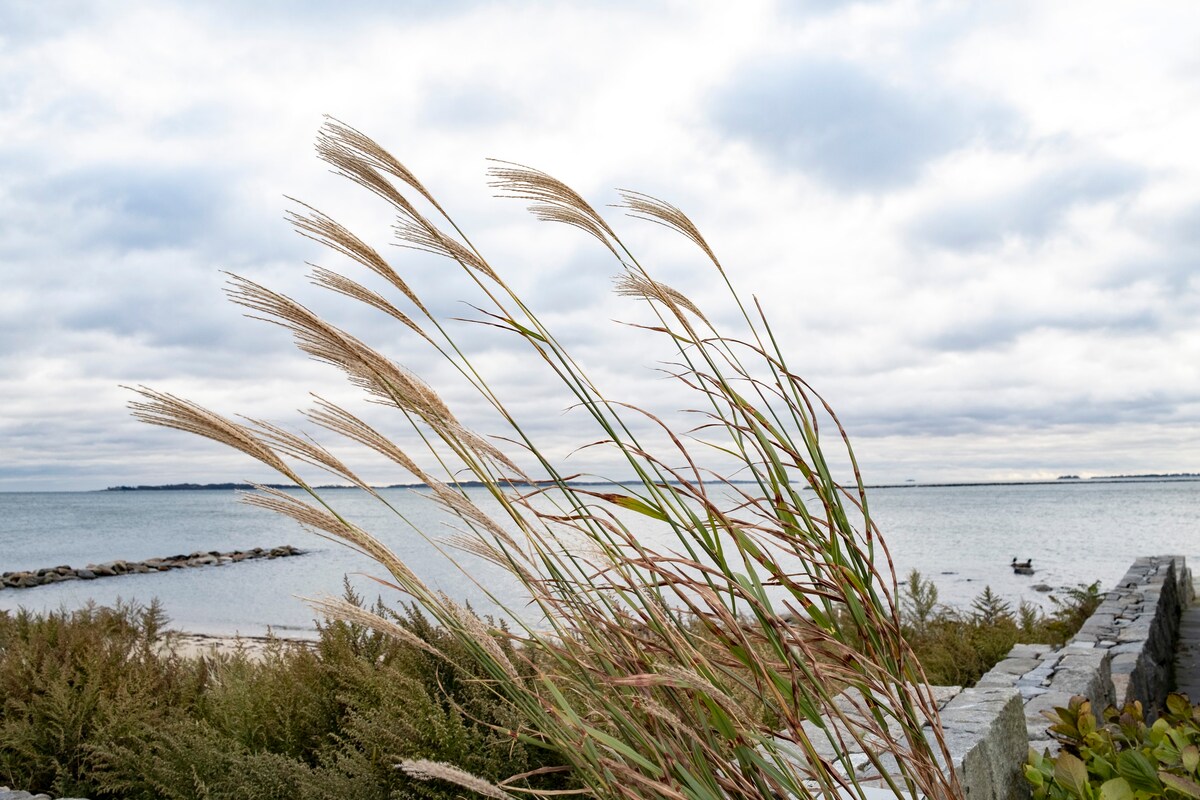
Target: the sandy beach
(196, 645)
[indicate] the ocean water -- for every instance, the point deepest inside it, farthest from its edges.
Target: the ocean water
(962, 537)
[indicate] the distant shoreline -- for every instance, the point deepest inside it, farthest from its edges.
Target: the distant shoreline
(1062, 481)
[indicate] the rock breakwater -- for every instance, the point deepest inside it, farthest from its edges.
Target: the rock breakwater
(16, 794)
(28, 579)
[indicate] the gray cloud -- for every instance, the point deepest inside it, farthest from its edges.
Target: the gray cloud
(847, 126)
(1031, 212)
(995, 328)
(130, 208)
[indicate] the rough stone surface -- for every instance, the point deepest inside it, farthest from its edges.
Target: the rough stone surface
(16, 794)
(27, 579)
(985, 734)
(1187, 654)
(1124, 651)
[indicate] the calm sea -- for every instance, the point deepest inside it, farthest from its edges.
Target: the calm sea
(962, 537)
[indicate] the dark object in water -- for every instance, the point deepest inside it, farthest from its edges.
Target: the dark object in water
(1022, 567)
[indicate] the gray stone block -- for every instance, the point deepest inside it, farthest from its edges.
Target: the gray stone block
(1028, 651)
(987, 739)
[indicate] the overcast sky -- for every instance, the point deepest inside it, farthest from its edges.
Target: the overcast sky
(976, 226)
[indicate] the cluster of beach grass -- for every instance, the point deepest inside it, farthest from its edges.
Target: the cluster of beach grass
(631, 669)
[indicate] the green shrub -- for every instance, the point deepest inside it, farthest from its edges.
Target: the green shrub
(94, 706)
(957, 647)
(71, 680)
(1121, 758)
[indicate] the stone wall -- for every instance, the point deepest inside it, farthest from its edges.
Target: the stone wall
(1123, 652)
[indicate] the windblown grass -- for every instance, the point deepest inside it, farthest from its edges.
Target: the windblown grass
(632, 675)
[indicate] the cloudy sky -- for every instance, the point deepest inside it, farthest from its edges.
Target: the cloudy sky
(975, 226)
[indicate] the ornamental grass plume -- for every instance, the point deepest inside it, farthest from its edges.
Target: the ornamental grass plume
(634, 666)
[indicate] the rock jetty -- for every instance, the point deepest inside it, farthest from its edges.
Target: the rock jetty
(16, 794)
(42, 577)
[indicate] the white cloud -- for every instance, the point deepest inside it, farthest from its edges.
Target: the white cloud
(973, 226)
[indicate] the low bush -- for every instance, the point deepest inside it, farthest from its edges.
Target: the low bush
(956, 647)
(1121, 757)
(94, 705)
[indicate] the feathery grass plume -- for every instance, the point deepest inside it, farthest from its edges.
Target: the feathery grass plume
(339, 608)
(325, 523)
(323, 230)
(306, 450)
(643, 206)
(714, 659)
(169, 411)
(338, 420)
(552, 200)
(339, 283)
(324, 342)
(337, 136)
(425, 770)
(635, 285)
(428, 239)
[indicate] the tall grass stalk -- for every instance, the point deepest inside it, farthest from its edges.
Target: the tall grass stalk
(785, 595)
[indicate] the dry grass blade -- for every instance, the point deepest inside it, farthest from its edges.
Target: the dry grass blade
(428, 239)
(337, 419)
(320, 228)
(424, 770)
(336, 136)
(322, 521)
(341, 609)
(339, 283)
(633, 284)
(643, 206)
(552, 200)
(170, 411)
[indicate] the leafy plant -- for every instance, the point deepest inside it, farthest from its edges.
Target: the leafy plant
(613, 677)
(1120, 758)
(70, 680)
(956, 648)
(918, 601)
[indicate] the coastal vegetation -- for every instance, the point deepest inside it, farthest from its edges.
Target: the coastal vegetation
(1117, 756)
(628, 658)
(957, 646)
(97, 703)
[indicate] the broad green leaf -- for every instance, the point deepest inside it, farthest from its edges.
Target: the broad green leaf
(1116, 789)
(1133, 766)
(1071, 774)
(1185, 786)
(1178, 706)
(1190, 756)
(635, 504)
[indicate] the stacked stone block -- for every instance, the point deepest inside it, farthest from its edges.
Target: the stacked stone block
(1123, 652)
